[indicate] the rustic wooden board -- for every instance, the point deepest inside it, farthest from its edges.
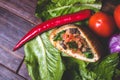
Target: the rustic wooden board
(6, 74)
(12, 28)
(22, 8)
(23, 72)
(16, 18)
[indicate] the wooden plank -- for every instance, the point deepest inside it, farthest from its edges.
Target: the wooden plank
(12, 28)
(23, 72)
(9, 59)
(22, 8)
(6, 74)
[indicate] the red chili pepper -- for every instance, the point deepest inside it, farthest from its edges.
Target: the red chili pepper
(52, 23)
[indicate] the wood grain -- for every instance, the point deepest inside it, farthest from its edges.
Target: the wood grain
(22, 8)
(16, 19)
(12, 28)
(23, 72)
(6, 74)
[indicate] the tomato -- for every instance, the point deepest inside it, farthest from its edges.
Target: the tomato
(68, 37)
(102, 24)
(117, 16)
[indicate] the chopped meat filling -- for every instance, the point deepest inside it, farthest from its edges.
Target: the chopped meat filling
(72, 40)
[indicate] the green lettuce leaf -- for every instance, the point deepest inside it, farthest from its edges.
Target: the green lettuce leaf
(47, 9)
(43, 60)
(78, 70)
(106, 68)
(101, 70)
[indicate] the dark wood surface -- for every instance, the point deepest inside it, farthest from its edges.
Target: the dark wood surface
(16, 18)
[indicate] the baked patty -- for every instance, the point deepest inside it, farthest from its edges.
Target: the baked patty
(77, 42)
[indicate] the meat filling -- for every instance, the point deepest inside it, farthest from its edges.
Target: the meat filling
(72, 40)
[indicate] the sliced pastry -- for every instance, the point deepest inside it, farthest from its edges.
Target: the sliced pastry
(76, 42)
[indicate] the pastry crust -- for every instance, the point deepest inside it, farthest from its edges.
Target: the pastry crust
(85, 33)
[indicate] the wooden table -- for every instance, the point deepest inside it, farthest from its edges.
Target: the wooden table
(16, 18)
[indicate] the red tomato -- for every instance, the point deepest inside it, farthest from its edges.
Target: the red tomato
(102, 24)
(67, 37)
(117, 16)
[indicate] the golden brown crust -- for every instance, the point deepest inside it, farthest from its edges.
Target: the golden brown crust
(91, 40)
